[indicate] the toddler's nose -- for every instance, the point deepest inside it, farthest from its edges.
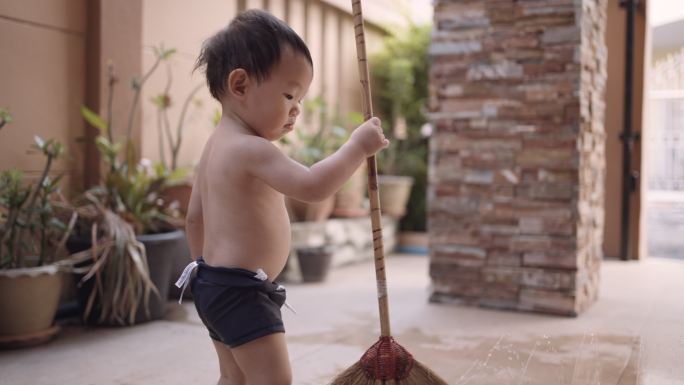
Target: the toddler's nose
(294, 112)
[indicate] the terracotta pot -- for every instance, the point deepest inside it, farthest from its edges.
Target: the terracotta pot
(28, 303)
(349, 200)
(394, 194)
(314, 262)
(310, 212)
(180, 193)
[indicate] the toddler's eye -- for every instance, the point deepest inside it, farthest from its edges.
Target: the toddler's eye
(288, 96)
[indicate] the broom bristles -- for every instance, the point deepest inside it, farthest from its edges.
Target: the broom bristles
(419, 375)
(359, 374)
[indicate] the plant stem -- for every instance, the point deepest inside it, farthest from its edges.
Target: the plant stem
(29, 208)
(163, 107)
(8, 238)
(167, 129)
(160, 128)
(43, 232)
(136, 96)
(179, 129)
(110, 102)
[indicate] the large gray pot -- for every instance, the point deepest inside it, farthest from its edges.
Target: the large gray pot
(163, 250)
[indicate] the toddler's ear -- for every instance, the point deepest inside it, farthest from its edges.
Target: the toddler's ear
(238, 80)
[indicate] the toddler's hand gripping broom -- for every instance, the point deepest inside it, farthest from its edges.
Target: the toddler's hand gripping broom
(386, 362)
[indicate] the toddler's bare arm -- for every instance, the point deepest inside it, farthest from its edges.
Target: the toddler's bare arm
(322, 179)
(194, 222)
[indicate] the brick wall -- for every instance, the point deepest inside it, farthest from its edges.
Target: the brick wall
(517, 157)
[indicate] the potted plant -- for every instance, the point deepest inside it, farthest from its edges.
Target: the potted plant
(133, 232)
(169, 142)
(400, 74)
(32, 238)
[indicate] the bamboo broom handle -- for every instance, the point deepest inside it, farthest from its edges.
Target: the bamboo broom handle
(376, 221)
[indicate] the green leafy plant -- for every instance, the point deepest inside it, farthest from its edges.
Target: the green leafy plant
(130, 189)
(31, 225)
(168, 140)
(127, 203)
(400, 79)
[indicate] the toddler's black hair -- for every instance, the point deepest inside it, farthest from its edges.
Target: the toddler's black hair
(253, 41)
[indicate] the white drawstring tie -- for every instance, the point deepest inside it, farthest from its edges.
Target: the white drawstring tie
(261, 275)
(184, 279)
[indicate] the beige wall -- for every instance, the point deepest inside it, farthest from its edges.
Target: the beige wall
(327, 30)
(55, 54)
(615, 41)
(42, 46)
(54, 57)
(161, 21)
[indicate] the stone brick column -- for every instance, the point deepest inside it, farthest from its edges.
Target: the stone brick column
(517, 156)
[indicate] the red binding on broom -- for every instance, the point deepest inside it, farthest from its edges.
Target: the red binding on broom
(386, 362)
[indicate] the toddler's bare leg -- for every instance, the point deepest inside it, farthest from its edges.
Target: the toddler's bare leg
(265, 361)
(230, 371)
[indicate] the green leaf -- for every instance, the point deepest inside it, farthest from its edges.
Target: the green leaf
(130, 154)
(57, 149)
(106, 148)
(178, 175)
(5, 116)
(166, 54)
(162, 101)
(216, 118)
(94, 119)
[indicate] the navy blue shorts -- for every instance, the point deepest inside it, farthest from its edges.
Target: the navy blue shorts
(235, 306)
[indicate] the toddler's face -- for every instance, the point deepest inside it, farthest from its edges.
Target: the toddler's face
(274, 104)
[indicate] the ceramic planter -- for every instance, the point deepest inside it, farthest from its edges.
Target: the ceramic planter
(310, 212)
(28, 303)
(314, 262)
(179, 193)
(163, 250)
(394, 194)
(349, 200)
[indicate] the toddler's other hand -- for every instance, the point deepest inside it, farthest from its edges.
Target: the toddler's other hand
(369, 137)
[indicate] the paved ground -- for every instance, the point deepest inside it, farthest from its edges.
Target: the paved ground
(665, 219)
(633, 335)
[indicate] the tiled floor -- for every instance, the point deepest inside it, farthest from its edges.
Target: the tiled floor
(665, 217)
(633, 335)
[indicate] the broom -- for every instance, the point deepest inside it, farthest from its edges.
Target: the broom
(386, 362)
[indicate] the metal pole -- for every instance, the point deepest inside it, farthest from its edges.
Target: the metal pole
(628, 137)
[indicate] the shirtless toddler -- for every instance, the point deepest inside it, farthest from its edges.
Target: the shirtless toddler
(237, 224)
